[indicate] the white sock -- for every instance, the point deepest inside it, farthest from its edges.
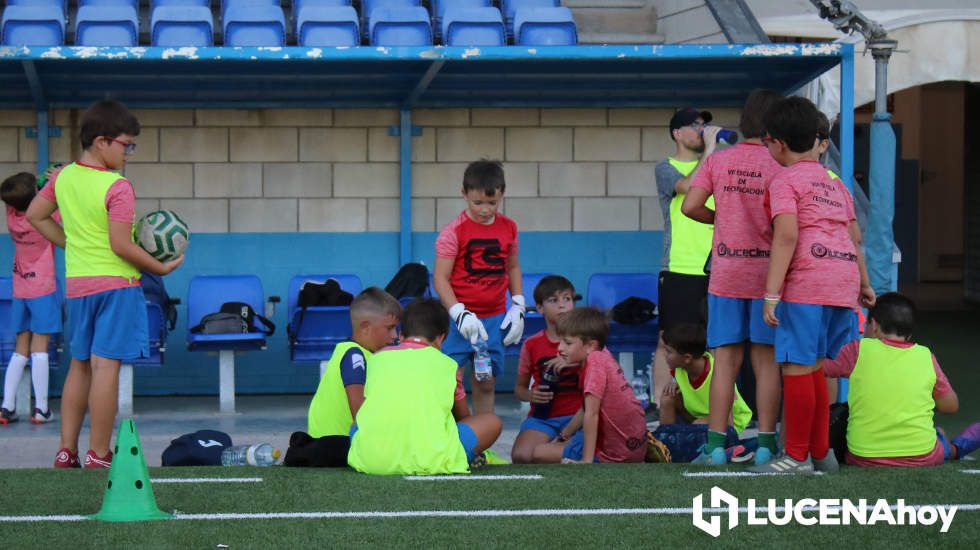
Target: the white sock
(39, 375)
(15, 369)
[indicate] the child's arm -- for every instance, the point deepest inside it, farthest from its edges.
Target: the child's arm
(784, 237)
(948, 403)
(513, 321)
(574, 425)
(693, 206)
(121, 241)
(590, 423)
(866, 296)
(460, 409)
(440, 280)
(39, 213)
(355, 398)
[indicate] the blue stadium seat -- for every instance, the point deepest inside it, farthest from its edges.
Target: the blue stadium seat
(327, 26)
(8, 340)
(181, 26)
(298, 5)
(608, 289)
(439, 8)
(131, 3)
(473, 27)
(314, 333)
(33, 25)
(400, 27)
(509, 9)
(368, 6)
(107, 25)
(533, 321)
(254, 25)
(158, 3)
(205, 294)
(545, 27)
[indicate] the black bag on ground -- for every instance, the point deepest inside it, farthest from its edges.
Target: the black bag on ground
(839, 414)
(411, 281)
(305, 451)
(634, 311)
(201, 448)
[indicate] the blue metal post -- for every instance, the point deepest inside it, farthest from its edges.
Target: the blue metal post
(882, 268)
(847, 116)
(42, 141)
(405, 187)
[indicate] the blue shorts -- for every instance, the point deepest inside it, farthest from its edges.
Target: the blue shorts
(467, 437)
(549, 426)
(110, 324)
(575, 447)
(735, 320)
(810, 332)
(41, 315)
(945, 443)
(461, 350)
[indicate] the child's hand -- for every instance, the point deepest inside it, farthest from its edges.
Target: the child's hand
(769, 313)
(671, 389)
(469, 326)
(170, 265)
(541, 396)
(556, 363)
(867, 296)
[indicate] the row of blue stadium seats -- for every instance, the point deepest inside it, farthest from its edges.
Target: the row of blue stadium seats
(177, 23)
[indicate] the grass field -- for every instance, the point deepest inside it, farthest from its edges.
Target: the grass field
(561, 489)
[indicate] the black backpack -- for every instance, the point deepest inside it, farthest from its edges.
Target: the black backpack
(234, 318)
(314, 294)
(155, 292)
(411, 281)
(634, 311)
(201, 448)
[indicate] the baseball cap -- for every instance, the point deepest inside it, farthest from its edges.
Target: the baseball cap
(686, 116)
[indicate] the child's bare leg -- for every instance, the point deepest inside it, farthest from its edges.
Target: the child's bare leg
(661, 371)
(23, 344)
(668, 408)
(549, 453)
(103, 395)
(74, 401)
(486, 427)
(483, 395)
(768, 386)
(833, 390)
(524, 445)
(728, 361)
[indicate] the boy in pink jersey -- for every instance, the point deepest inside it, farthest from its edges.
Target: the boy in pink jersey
(106, 307)
(476, 264)
(611, 425)
(36, 307)
(816, 276)
(738, 178)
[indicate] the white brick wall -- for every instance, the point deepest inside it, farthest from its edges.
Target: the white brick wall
(336, 170)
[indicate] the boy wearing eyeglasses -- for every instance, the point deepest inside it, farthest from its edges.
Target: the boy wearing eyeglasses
(106, 308)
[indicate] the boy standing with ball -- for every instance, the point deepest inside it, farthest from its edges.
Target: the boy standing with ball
(106, 308)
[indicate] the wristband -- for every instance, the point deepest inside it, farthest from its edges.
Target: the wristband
(773, 298)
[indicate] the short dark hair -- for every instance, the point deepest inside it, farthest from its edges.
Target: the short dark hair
(686, 338)
(549, 285)
(587, 323)
(485, 175)
(894, 313)
(108, 118)
(18, 190)
(823, 126)
(374, 301)
(793, 120)
(756, 106)
(425, 318)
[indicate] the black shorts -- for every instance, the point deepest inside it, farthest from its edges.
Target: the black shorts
(683, 299)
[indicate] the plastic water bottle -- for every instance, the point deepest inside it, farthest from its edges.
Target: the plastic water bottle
(482, 369)
(641, 389)
(262, 454)
(726, 136)
(549, 382)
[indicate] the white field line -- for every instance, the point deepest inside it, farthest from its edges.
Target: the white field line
(448, 513)
(206, 480)
(471, 478)
(741, 474)
(970, 471)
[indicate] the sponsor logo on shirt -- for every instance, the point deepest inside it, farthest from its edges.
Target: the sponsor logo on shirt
(724, 251)
(484, 257)
(820, 251)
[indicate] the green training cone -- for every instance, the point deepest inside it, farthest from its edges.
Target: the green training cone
(128, 494)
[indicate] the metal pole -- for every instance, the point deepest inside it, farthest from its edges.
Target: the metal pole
(405, 187)
(881, 257)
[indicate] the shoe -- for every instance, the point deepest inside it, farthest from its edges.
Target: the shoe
(968, 440)
(762, 456)
(66, 459)
(478, 461)
(41, 417)
(738, 454)
(715, 458)
(6, 417)
(784, 465)
(493, 458)
(827, 464)
(657, 451)
(93, 460)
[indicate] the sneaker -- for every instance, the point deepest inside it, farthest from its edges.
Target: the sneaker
(93, 460)
(66, 459)
(478, 461)
(738, 454)
(6, 417)
(968, 440)
(827, 464)
(493, 458)
(784, 465)
(716, 457)
(762, 456)
(41, 417)
(656, 450)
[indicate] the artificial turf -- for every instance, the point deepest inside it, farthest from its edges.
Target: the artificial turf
(562, 487)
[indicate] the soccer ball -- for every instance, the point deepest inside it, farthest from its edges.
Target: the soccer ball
(163, 234)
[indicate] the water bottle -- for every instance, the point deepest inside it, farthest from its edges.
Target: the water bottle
(482, 369)
(725, 135)
(262, 454)
(549, 382)
(641, 389)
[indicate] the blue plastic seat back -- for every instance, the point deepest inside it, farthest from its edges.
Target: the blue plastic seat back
(206, 293)
(107, 25)
(325, 26)
(7, 336)
(254, 25)
(348, 282)
(33, 25)
(368, 6)
(400, 27)
(473, 27)
(158, 3)
(545, 27)
(298, 5)
(226, 4)
(180, 26)
(439, 7)
(131, 3)
(509, 7)
(608, 289)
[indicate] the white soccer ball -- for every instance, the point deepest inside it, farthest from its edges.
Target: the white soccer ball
(163, 234)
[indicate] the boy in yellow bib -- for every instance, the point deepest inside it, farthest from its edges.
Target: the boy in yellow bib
(415, 419)
(374, 318)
